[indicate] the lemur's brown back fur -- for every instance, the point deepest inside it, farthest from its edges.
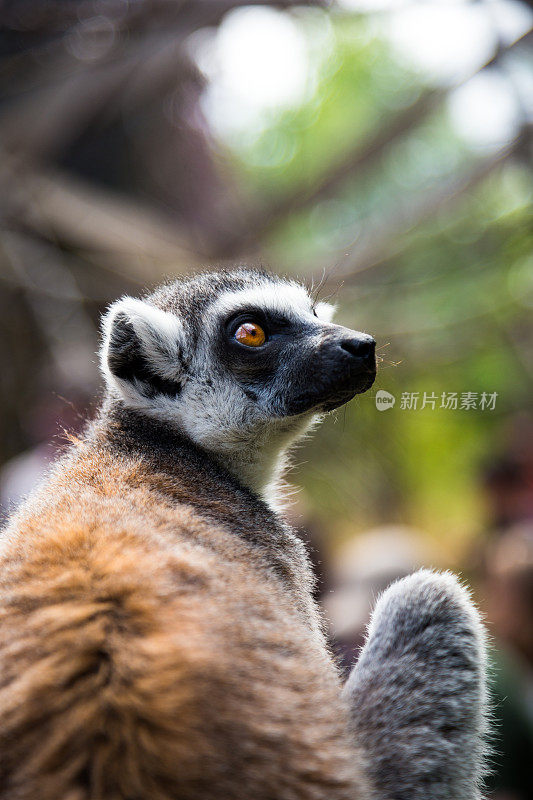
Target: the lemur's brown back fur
(150, 647)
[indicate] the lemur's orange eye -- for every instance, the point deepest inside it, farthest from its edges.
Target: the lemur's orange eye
(250, 334)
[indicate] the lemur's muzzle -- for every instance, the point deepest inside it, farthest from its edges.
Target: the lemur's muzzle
(351, 358)
(341, 366)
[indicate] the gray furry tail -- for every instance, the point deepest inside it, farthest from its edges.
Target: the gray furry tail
(418, 694)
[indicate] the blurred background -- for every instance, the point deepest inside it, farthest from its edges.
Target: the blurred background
(381, 151)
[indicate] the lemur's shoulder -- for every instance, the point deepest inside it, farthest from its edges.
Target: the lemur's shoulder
(119, 485)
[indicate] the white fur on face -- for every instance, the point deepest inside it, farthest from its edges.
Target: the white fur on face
(287, 299)
(325, 311)
(246, 441)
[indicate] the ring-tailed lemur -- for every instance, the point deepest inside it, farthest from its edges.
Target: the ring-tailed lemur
(158, 639)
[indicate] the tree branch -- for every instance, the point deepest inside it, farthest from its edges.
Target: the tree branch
(73, 213)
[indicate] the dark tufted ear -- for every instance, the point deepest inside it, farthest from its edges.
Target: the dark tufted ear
(141, 350)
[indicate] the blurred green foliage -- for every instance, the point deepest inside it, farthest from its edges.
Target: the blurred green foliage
(449, 300)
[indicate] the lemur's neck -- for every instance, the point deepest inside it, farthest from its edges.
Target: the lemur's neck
(246, 465)
(255, 458)
(172, 465)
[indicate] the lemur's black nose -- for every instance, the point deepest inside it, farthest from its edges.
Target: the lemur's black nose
(362, 346)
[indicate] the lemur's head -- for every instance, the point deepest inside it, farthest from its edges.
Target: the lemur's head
(241, 362)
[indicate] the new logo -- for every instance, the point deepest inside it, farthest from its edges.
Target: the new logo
(384, 400)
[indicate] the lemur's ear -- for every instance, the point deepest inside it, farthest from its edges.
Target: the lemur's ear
(142, 350)
(325, 311)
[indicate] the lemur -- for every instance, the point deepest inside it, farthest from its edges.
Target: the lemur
(158, 637)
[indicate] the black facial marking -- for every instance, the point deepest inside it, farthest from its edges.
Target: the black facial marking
(302, 365)
(326, 376)
(127, 361)
(254, 367)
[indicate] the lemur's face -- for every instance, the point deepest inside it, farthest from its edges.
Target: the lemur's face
(225, 356)
(285, 355)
